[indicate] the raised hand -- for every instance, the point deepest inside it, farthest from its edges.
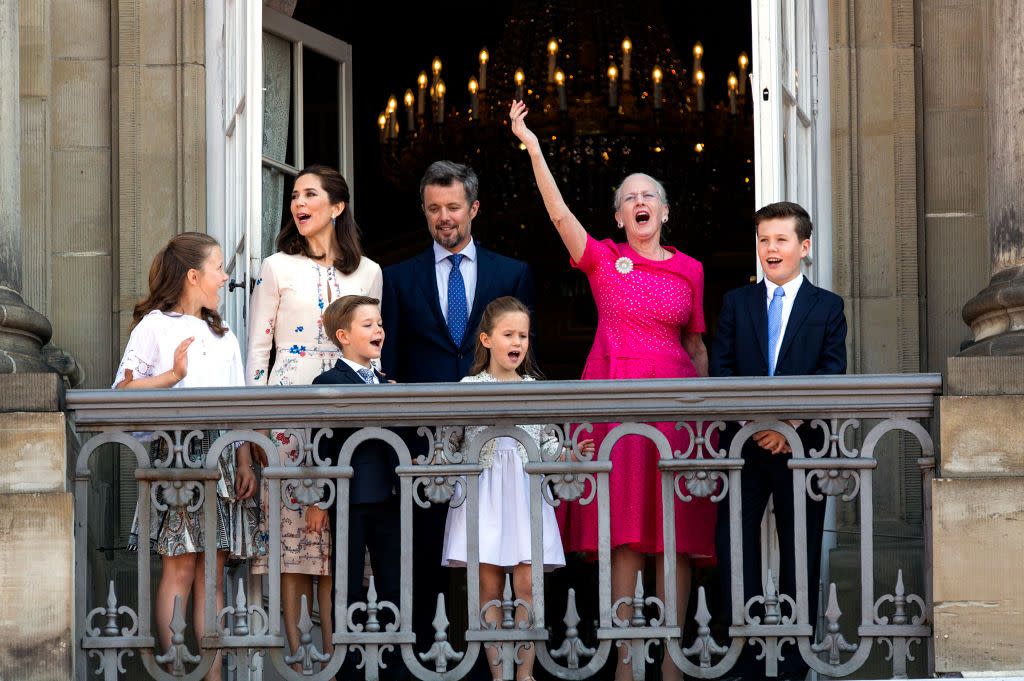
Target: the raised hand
(517, 114)
(181, 358)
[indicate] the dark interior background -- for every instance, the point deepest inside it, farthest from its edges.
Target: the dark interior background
(711, 194)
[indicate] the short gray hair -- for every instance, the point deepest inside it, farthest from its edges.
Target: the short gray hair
(662, 194)
(445, 173)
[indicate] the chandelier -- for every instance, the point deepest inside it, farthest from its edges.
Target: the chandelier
(608, 95)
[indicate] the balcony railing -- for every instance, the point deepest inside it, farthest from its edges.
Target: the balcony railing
(852, 412)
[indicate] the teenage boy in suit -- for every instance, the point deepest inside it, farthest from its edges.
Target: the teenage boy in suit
(374, 520)
(782, 325)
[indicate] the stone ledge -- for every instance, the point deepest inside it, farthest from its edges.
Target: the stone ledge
(977, 558)
(36, 586)
(985, 375)
(33, 453)
(31, 392)
(981, 436)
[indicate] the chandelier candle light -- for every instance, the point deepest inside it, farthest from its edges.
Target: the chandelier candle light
(520, 78)
(421, 97)
(656, 76)
(484, 56)
(563, 104)
(733, 84)
(410, 121)
(744, 62)
(627, 55)
(698, 53)
(474, 98)
(439, 90)
(552, 55)
(613, 90)
(700, 90)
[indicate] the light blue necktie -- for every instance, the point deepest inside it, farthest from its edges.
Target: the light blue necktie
(366, 375)
(458, 314)
(774, 327)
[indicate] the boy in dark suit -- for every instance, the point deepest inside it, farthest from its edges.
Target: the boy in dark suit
(374, 522)
(783, 325)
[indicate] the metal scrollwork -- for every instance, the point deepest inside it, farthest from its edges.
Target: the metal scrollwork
(507, 606)
(441, 652)
(178, 449)
(702, 484)
(637, 602)
(306, 492)
(900, 601)
(372, 608)
(439, 489)
(178, 654)
(700, 440)
(442, 445)
(833, 483)
(833, 642)
(572, 647)
(187, 494)
(704, 646)
(835, 438)
(111, 613)
(306, 652)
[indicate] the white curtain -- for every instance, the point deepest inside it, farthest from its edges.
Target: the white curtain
(277, 98)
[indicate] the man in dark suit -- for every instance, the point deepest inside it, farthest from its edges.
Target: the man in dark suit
(783, 325)
(374, 519)
(432, 304)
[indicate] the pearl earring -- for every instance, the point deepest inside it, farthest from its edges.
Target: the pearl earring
(664, 220)
(620, 225)
(333, 221)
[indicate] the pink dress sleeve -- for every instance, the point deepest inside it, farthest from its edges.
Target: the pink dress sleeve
(695, 274)
(593, 254)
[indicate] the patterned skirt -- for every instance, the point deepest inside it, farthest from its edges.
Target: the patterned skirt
(178, 531)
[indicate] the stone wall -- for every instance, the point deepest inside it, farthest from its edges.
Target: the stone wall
(36, 536)
(112, 161)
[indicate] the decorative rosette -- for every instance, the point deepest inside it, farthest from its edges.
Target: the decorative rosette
(624, 265)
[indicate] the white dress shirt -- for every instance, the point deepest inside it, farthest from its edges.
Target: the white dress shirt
(356, 366)
(791, 287)
(443, 270)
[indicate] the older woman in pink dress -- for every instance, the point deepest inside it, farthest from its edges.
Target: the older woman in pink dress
(650, 321)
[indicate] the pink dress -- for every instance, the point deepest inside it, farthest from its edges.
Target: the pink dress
(643, 309)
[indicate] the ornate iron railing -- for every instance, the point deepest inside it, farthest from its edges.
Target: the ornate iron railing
(853, 413)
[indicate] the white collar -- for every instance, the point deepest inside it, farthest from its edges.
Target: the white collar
(790, 287)
(356, 366)
(442, 253)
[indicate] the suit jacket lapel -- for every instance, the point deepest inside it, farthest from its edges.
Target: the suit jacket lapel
(758, 304)
(806, 296)
(427, 274)
(483, 294)
(347, 373)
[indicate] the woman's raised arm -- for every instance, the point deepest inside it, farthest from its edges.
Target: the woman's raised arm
(574, 236)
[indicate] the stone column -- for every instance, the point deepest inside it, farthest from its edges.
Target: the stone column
(23, 331)
(996, 315)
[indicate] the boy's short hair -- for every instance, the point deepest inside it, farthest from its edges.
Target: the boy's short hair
(339, 313)
(786, 209)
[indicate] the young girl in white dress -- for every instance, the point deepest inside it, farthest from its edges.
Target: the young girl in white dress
(503, 354)
(178, 340)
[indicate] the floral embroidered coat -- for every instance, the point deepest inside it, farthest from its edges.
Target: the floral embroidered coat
(286, 312)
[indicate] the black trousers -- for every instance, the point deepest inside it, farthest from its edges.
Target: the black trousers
(374, 528)
(764, 476)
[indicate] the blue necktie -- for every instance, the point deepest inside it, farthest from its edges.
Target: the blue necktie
(458, 314)
(366, 375)
(774, 327)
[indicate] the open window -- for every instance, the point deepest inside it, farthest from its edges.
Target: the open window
(791, 121)
(279, 97)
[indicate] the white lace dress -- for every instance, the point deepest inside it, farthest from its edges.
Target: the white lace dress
(504, 504)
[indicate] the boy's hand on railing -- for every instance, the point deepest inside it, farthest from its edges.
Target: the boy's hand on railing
(773, 441)
(316, 519)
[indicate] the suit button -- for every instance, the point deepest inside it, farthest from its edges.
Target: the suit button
(460, 355)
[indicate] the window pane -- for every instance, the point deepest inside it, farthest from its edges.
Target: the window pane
(277, 103)
(321, 109)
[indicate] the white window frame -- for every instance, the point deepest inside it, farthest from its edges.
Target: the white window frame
(234, 123)
(791, 129)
